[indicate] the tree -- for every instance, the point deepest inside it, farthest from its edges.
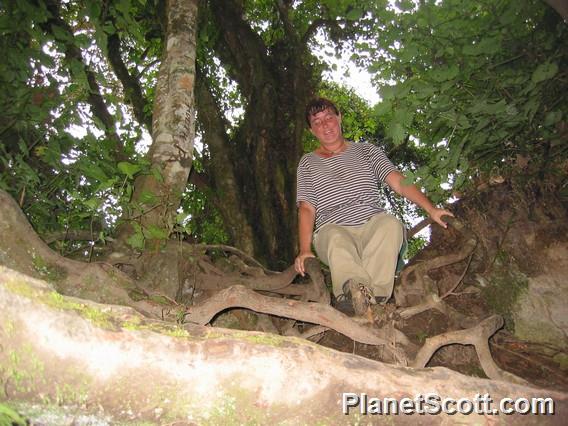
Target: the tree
(96, 64)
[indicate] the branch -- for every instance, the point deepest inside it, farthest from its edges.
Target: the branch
(221, 166)
(477, 336)
(418, 227)
(238, 252)
(73, 53)
(288, 27)
(317, 24)
(200, 180)
(433, 301)
(133, 91)
(421, 269)
(239, 46)
(459, 280)
(73, 235)
(561, 6)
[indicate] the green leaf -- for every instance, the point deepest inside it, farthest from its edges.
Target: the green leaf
(93, 171)
(157, 174)
(396, 132)
(387, 92)
(544, 72)
(129, 169)
(8, 416)
(59, 33)
(354, 14)
(487, 46)
(154, 232)
(136, 240)
(383, 108)
(441, 74)
(552, 118)
(148, 198)
(93, 203)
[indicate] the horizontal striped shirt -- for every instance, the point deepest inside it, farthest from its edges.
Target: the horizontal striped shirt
(344, 188)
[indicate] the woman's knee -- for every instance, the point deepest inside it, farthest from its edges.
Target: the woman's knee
(389, 223)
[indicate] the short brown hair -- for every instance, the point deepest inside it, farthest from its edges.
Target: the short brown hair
(317, 105)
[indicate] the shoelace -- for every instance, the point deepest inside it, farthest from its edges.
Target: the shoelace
(367, 294)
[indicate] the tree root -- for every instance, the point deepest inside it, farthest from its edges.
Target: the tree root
(422, 284)
(477, 336)
(433, 301)
(315, 313)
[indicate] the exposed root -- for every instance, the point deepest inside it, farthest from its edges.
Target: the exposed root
(238, 252)
(459, 280)
(315, 313)
(422, 285)
(433, 301)
(477, 336)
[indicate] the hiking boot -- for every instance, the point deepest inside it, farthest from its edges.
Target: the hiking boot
(343, 304)
(360, 295)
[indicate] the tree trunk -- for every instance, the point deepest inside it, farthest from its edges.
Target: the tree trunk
(158, 194)
(253, 170)
(72, 357)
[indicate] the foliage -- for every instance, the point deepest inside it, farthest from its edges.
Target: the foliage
(481, 83)
(468, 88)
(415, 244)
(10, 417)
(57, 157)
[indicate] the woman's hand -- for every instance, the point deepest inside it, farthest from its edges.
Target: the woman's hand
(299, 262)
(436, 215)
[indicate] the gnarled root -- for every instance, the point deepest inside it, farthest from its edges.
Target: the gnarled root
(477, 336)
(422, 284)
(315, 313)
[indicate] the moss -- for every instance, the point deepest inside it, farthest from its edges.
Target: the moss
(161, 300)
(176, 331)
(58, 301)
(23, 370)
(96, 316)
(258, 338)
(562, 360)
(9, 328)
(51, 413)
(238, 406)
(137, 294)
(20, 288)
(9, 416)
(505, 287)
(71, 394)
(167, 329)
(50, 272)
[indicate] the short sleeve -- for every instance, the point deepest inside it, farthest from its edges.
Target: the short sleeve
(305, 185)
(380, 163)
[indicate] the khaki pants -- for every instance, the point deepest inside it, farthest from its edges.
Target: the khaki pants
(366, 253)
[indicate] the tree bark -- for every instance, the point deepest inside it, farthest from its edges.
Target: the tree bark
(262, 154)
(158, 194)
(109, 362)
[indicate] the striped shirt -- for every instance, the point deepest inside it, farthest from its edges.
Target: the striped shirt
(344, 188)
